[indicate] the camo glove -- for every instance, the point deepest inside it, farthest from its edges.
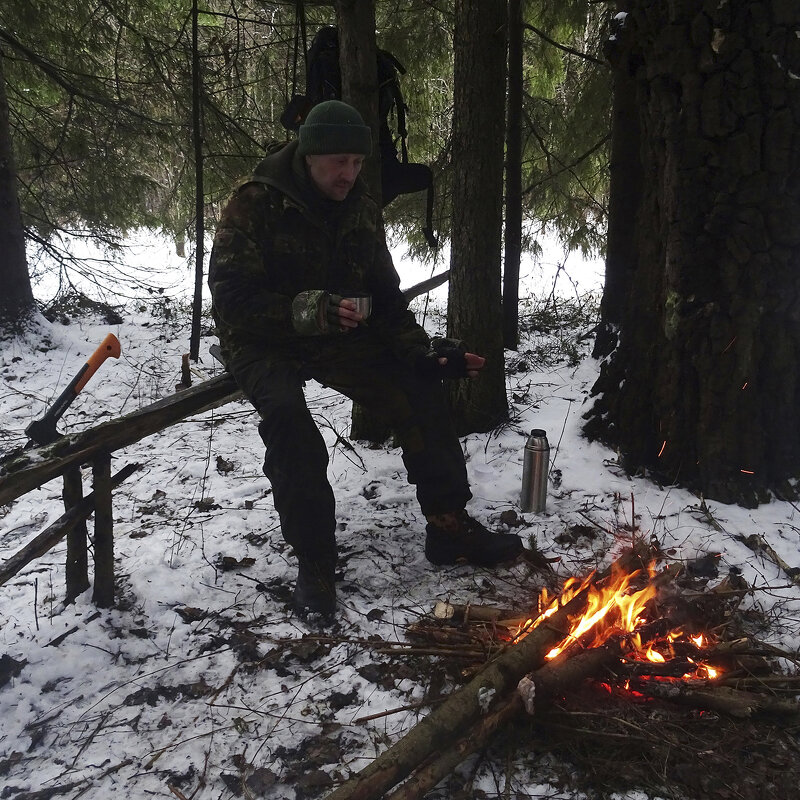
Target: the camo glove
(453, 350)
(315, 313)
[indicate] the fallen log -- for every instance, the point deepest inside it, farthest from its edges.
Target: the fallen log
(771, 683)
(482, 695)
(545, 684)
(54, 533)
(440, 765)
(563, 672)
(722, 699)
(460, 710)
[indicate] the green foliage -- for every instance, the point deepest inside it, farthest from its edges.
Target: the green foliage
(567, 111)
(566, 117)
(101, 109)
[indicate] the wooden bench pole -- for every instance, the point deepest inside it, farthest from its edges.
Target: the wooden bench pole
(103, 595)
(54, 533)
(77, 538)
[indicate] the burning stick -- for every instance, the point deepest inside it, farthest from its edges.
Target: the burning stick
(564, 672)
(486, 693)
(459, 712)
(721, 698)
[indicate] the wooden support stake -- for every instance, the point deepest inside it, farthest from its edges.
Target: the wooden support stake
(54, 533)
(103, 595)
(77, 538)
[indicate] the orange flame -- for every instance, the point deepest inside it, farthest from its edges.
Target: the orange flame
(654, 656)
(613, 603)
(615, 606)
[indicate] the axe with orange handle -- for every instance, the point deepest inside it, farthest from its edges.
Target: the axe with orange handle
(43, 431)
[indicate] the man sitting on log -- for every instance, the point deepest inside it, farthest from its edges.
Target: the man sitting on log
(295, 240)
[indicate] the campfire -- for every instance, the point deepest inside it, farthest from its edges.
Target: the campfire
(638, 631)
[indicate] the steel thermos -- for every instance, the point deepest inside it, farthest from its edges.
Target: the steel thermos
(535, 467)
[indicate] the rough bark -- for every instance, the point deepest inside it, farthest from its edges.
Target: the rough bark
(474, 311)
(625, 186)
(703, 387)
(358, 64)
(440, 765)
(513, 221)
(16, 297)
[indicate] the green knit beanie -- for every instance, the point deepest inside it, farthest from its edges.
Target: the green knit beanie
(334, 127)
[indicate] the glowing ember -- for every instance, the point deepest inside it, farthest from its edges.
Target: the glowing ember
(615, 607)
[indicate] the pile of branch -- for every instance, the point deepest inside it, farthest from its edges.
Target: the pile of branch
(516, 678)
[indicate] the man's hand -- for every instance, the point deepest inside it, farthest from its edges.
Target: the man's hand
(448, 358)
(345, 315)
(473, 364)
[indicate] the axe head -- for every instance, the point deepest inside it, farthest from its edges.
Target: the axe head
(41, 431)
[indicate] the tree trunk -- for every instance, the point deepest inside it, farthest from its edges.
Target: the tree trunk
(359, 67)
(358, 64)
(513, 226)
(625, 179)
(199, 194)
(474, 310)
(16, 297)
(703, 387)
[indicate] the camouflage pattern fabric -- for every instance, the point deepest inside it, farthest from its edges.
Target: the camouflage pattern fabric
(296, 456)
(314, 312)
(278, 239)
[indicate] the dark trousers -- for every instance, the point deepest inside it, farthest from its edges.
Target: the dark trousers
(296, 458)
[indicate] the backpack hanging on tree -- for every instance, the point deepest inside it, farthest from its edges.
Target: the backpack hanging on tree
(324, 82)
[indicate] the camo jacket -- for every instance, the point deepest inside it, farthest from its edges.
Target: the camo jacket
(278, 237)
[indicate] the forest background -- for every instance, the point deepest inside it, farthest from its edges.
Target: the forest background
(663, 136)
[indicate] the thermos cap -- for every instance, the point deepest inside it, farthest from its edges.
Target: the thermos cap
(537, 440)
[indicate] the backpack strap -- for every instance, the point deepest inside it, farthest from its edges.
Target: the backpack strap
(427, 231)
(401, 122)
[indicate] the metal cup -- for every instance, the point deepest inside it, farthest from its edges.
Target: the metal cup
(362, 301)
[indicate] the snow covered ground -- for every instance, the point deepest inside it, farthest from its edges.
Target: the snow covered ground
(201, 683)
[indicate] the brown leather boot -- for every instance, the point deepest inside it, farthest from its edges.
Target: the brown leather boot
(458, 538)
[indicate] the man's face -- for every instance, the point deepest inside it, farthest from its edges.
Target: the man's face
(335, 174)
